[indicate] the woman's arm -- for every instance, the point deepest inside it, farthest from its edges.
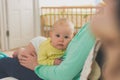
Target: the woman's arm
(75, 57)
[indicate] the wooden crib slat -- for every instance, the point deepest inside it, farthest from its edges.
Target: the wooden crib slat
(77, 14)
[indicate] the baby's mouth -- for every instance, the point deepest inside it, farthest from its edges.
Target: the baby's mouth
(60, 44)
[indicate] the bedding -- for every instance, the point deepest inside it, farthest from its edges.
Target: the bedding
(4, 55)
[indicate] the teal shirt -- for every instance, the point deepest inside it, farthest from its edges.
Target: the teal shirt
(73, 59)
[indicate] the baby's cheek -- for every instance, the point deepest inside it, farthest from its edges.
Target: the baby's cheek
(67, 42)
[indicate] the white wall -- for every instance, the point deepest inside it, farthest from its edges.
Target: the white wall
(45, 3)
(3, 25)
(37, 18)
(67, 2)
(0, 23)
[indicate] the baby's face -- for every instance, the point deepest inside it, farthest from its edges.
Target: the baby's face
(61, 36)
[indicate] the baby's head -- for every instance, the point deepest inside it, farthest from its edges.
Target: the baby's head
(62, 33)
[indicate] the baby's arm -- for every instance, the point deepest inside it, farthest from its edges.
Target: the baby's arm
(44, 59)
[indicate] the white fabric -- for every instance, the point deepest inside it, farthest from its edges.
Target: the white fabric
(87, 67)
(89, 61)
(37, 41)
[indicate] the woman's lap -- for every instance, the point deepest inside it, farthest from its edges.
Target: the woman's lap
(11, 67)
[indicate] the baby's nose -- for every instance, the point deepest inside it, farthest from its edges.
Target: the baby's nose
(61, 39)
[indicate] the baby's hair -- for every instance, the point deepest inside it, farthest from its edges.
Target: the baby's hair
(63, 21)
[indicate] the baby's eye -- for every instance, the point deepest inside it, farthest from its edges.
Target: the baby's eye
(66, 37)
(57, 35)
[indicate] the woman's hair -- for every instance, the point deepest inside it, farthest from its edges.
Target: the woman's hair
(118, 11)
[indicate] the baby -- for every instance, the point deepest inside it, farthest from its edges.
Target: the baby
(53, 48)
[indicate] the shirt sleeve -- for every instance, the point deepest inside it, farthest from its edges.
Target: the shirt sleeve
(37, 41)
(75, 56)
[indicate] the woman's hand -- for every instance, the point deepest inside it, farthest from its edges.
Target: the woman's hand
(29, 61)
(28, 50)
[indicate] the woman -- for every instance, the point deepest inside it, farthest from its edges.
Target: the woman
(75, 56)
(103, 63)
(69, 69)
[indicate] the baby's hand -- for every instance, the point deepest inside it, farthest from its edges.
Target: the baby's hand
(57, 61)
